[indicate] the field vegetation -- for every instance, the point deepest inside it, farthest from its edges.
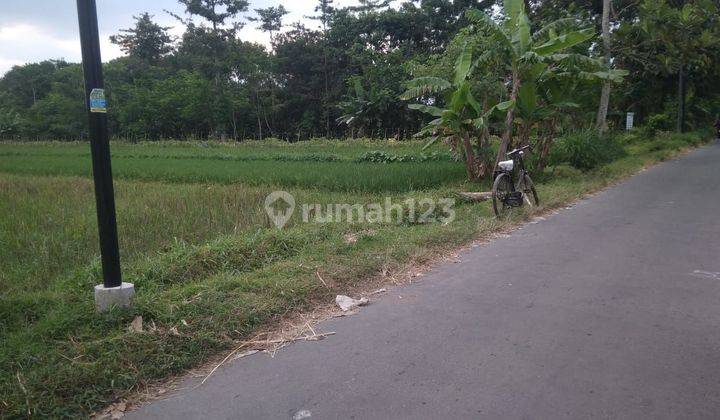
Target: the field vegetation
(208, 265)
(317, 164)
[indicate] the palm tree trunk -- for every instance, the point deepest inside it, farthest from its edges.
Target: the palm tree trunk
(509, 120)
(601, 122)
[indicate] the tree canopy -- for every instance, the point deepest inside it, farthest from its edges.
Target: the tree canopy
(344, 74)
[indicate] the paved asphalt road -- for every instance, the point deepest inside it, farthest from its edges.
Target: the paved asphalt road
(610, 309)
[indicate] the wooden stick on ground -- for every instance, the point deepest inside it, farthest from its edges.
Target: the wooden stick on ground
(476, 196)
(280, 343)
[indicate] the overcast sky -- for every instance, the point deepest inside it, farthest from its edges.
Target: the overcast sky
(36, 30)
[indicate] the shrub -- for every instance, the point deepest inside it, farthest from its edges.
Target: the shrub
(658, 122)
(586, 150)
(677, 141)
(695, 138)
(665, 143)
(377, 156)
(633, 136)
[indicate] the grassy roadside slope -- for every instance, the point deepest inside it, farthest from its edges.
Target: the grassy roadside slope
(58, 358)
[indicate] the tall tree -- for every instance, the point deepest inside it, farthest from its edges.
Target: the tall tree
(147, 41)
(370, 5)
(270, 19)
(222, 15)
(326, 11)
(211, 43)
(217, 12)
(601, 121)
(25, 85)
(686, 38)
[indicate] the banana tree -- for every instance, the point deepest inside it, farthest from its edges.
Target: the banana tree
(363, 110)
(555, 93)
(462, 118)
(527, 54)
(552, 93)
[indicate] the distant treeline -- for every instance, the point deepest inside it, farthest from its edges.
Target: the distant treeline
(341, 78)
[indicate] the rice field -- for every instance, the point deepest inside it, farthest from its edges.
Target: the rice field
(316, 165)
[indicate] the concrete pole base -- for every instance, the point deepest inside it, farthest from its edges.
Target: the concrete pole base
(108, 297)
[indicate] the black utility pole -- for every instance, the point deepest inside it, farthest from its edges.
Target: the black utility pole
(99, 144)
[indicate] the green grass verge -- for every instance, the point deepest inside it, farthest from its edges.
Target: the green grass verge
(207, 264)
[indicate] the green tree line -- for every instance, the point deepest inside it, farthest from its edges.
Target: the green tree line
(348, 74)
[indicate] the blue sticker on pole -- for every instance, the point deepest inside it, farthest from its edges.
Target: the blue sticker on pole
(97, 101)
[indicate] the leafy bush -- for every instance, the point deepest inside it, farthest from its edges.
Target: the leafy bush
(311, 157)
(10, 123)
(695, 138)
(586, 150)
(658, 122)
(377, 156)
